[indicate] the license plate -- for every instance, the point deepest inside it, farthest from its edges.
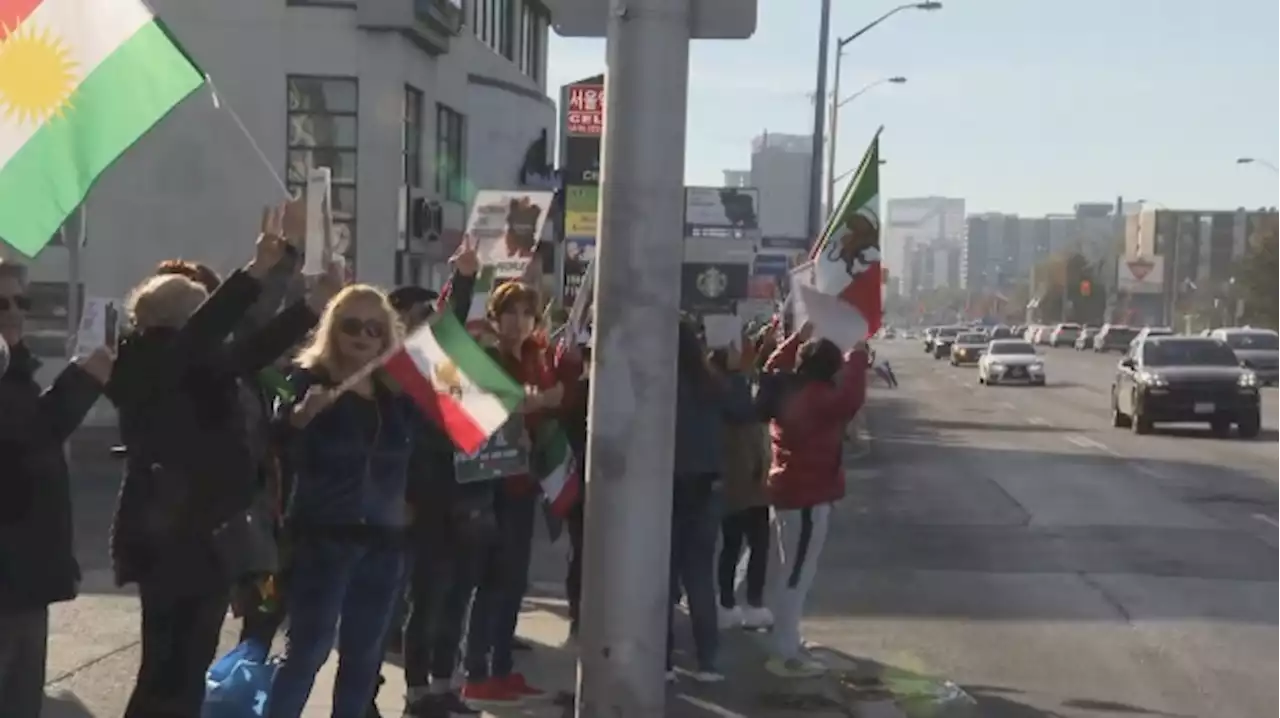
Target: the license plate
(1017, 373)
(1204, 407)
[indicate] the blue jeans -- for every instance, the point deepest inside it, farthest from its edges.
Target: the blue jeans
(695, 526)
(504, 576)
(339, 589)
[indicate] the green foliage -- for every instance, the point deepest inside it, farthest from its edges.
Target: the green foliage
(1256, 275)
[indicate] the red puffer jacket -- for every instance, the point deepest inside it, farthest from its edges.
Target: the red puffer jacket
(807, 437)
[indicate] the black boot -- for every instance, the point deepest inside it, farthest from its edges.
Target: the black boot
(373, 704)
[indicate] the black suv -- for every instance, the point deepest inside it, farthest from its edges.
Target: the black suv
(1185, 379)
(942, 341)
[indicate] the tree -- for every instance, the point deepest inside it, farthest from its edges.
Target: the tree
(1256, 273)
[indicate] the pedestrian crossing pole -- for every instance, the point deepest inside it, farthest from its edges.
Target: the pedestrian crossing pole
(622, 645)
(632, 410)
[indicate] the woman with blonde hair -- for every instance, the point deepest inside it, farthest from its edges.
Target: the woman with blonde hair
(349, 437)
(189, 469)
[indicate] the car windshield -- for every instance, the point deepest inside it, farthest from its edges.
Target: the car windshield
(1188, 352)
(1070, 327)
(1011, 348)
(948, 332)
(1121, 335)
(1001, 332)
(1252, 340)
(972, 339)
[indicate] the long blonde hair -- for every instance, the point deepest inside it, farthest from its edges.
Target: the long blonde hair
(319, 352)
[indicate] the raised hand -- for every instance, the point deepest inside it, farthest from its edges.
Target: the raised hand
(271, 246)
(98, 364)
(465, 260)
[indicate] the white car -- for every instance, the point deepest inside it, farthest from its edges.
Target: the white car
(1011, 361)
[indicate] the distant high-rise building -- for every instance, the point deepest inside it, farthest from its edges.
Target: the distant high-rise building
(780, 171)
(737, 178)
(925, 221)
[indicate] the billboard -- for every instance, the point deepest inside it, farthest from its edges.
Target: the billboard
(1142, 275)
(584, 116)
(721, 210)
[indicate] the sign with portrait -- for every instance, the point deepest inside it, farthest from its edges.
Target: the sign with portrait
(506, 453)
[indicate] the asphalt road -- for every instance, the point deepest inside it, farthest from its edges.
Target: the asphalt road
(1009, 539)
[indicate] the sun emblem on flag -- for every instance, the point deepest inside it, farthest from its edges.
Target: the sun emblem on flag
(37, 74)
(446, 375)
(856, 242)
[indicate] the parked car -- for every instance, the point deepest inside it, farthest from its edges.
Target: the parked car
(1064, 335)
(1085, 339)
(1114, 337)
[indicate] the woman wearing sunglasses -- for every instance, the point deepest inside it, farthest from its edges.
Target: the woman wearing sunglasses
(347, 517)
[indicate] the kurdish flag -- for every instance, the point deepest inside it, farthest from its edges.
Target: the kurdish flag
(80, 81)
(846, 258)
(454, 381)
(556, 468)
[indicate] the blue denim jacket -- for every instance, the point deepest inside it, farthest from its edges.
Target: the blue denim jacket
(342, 477)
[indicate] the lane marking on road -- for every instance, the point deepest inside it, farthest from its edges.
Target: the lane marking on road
(1085, 442)
(1006, 405)
(711, 707)
(1149, 470)
(1267, 520)
(1038, 421)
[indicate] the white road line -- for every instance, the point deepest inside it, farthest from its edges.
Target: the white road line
(1085, 442)
(1037, 421)
(1008, 406)
(1147, 469)
(1267, 520)
(711, 707)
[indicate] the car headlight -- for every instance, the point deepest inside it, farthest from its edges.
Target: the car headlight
(995, 365)
(1152, 379)
(1248, 380)
(1036, 367)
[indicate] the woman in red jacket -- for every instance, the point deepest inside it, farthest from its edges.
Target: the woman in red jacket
(514, 314)
(806, 476)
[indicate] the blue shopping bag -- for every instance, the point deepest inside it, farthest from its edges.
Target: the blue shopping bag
(238, 685)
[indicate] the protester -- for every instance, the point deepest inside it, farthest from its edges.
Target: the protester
(746, 520)
(705, 400)
(514, 313)
(452, 524)
(576, 402)
(806, 475)
(350, 451)
(37, 561)
(190, 470)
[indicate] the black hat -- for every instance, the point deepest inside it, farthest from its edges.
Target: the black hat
(403, 298)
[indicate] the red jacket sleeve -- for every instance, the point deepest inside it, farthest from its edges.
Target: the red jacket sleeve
(566, 366)
(784, 357)
(846, 398)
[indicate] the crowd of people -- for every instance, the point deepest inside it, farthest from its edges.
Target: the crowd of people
(247, 400)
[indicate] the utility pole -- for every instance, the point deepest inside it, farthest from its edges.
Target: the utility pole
(630, 445)
(819, 117)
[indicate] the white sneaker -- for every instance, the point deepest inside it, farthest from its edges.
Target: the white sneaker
(757, 617)
(708, 676)
(730, 618)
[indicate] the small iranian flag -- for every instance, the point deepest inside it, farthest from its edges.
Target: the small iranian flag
(80, 81)
(556, 468)
(454, 381)
(846, 258)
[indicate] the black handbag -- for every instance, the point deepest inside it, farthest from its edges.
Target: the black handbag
(246, 544)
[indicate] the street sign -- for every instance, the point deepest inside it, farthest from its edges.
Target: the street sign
(1142, 275)
(709, 19)
(1140, 268)
(585, 112)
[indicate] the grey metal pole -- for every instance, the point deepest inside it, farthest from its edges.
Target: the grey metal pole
(819, 116)
(625, 595)
(834, 132)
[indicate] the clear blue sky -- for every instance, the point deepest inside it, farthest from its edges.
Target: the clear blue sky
(1024, 106)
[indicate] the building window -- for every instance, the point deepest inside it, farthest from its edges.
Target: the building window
(451, 137)
(533, 28)
(411, 143)
(492, 21)
(322, 133)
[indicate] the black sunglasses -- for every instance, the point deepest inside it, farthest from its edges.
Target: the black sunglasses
(371, 328)
(18, 301)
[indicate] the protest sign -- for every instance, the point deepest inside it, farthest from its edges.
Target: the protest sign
(505, 227)
(318, 248)
(506, 453)
(722, 330)
(832, 317)
(99, 325)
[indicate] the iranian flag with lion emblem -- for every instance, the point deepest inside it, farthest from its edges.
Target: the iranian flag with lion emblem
(846, 258)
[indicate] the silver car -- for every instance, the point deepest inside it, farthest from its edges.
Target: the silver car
(1011, 361)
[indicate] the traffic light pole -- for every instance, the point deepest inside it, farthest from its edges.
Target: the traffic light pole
(625, 596)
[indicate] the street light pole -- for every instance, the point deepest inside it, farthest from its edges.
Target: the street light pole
(1255, 161)
(820, 95)
(836, 104)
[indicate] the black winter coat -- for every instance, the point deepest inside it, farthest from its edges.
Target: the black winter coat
(37, 558)
(189, 466)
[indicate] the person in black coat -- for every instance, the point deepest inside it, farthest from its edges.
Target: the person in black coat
(37, 561)
(189, 467)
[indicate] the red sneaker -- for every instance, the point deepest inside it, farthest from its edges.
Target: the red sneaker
(493, 691)
(516, 684)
